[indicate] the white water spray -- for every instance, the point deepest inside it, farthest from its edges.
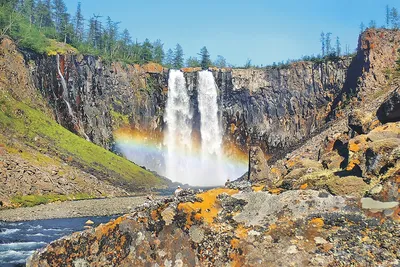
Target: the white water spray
(211, 133)
(64, 86)
(179, 129)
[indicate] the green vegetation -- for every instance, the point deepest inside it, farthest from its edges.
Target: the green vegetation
(28, 124)
(33, 200)
(205, 61)
(119, 119)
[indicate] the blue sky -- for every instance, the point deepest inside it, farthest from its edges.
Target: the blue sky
(261, 30)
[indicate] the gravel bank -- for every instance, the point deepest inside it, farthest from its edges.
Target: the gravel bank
(71, 209)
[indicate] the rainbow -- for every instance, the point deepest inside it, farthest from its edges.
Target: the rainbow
(146, 148)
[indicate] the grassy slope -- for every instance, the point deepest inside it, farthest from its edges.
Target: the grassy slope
(38, 130)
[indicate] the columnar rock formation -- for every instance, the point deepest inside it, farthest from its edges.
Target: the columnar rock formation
(277, 107)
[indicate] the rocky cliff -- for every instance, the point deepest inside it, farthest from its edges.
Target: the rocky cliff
(334, 201)
(40, 160)
(274, 107)
(102, 97)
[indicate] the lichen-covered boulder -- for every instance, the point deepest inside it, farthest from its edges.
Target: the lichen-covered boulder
(226, 227)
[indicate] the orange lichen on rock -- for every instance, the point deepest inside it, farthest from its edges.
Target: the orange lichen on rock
(235, 242)
(191, 69)
(241, 232)
(352, 164)
(316, 222)
(275, 170)
(257, 188)
(275, 191)
(153, 68)
(353, 146)
(206, 210)
(105, 229)
(304, 186)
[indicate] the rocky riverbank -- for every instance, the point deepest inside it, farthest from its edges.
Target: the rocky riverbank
(72, 209)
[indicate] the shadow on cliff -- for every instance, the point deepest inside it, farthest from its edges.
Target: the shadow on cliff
(350, 85)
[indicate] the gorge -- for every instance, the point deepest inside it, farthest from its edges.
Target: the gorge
(320, 141)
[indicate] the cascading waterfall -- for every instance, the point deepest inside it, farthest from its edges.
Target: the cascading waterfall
(75, 120)
(64, 86)
(179, 129)
(182, 156)
(210, 129)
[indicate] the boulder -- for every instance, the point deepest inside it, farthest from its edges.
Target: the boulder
(359, 122)
(389, 111)
(258, 166)
(332, 160)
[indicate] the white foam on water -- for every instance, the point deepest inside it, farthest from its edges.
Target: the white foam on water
(9, 231)
(21, 246)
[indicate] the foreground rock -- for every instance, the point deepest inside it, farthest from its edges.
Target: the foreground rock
(226, 227)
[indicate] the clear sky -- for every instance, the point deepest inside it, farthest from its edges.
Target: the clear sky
(261, 30)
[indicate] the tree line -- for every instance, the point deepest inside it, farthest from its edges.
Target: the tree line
(392, 20)
(32, 23)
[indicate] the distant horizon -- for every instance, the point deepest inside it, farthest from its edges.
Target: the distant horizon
(262, 32)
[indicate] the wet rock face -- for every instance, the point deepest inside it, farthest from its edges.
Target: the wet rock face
(103, 97)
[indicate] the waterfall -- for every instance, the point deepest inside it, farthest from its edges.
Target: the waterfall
(179, 129)
(64, 86)
(75, 120)
(192, 149)
(210, 129)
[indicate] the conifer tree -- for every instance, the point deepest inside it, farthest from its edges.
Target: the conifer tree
(178, 57)
(43, 14)
(338, 47)
(192, 62)
(158, 51)
(394, 15)
(220, 62)
(372, 24)
(328, 46)
(387, 18)
(28, 10)
(322, 39)
(169, 59)
(205, 61)
(146, 51)
(79, 26)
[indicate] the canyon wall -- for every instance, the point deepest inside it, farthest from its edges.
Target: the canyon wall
(274, 107)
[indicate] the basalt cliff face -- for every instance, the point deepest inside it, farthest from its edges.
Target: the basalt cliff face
(333, 201)
(277, 108)
(273, 107)
(103, 97)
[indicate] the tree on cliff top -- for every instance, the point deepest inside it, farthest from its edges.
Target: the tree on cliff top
(322, 39)
(192, 62)
(178, 57)
(205, 58)
(158, 51)
(146, 52)
(79, 26)
(394, 16)
(220, 62)
(169, 59)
